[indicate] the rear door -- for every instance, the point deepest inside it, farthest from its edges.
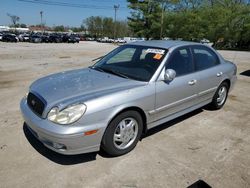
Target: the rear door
(181, 93)
(209, 69)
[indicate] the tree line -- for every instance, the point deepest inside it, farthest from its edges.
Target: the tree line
(226, 23)
(98, 27)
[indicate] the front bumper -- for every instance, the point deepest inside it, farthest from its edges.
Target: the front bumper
(68, 140)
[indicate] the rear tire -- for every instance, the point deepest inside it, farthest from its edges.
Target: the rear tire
(220, 96)
(123, 133)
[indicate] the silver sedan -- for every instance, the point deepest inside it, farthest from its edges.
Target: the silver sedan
(132, 89)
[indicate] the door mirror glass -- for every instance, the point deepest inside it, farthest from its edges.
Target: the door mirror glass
(169, 75)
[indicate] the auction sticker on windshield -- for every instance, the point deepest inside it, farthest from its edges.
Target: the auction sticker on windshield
(155, 51)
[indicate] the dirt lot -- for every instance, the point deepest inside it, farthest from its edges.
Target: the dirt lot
(210, 145)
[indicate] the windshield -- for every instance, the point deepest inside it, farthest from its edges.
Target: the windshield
(132, 62)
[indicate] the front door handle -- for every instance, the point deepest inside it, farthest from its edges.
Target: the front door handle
(219, 74)
(192, 82)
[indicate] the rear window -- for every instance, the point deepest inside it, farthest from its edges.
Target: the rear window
(204, 58)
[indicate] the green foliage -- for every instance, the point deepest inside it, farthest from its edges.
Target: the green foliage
(77, 29)
(59, 28)
(145, 18)
(104, 27)
(19, 25)
(224, 22)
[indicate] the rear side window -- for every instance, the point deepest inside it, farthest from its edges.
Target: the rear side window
(181, 61)
(204, 58)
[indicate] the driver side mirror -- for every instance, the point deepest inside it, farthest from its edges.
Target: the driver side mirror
(169, 75)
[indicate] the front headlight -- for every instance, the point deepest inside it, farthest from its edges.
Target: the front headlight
(68, 115)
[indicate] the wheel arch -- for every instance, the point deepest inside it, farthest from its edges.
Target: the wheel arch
(227, 80)
(133, 108)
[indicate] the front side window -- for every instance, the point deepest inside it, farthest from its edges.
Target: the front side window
(181, 61)
(204, 58)
(132, 61)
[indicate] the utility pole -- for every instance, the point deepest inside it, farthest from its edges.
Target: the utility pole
(163, 7)
(41, 15)
(116, 7)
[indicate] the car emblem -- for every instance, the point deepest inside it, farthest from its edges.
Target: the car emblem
(33, 102)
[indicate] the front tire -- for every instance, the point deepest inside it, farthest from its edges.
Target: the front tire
(123, 133)
(220, 96)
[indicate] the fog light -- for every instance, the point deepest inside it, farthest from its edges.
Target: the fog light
(58, 146)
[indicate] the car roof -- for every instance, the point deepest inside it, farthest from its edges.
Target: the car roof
(163, 43)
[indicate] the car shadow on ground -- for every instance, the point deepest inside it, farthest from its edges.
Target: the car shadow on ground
(199, 184)
(245, 73)
(56, 157)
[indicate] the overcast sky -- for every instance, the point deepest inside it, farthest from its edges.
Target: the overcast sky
(60, 12)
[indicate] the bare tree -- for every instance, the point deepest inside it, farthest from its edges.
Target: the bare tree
(14, 18)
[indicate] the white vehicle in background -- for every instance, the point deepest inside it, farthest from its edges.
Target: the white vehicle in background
(120, 40)
(104, 39)
(207, 42)
(24, 37)
(133, 39)
(111, 40)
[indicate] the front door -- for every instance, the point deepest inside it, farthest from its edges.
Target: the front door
(181, 93)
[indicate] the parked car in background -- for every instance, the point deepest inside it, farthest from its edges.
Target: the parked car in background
(35, 38)
(76, 37)
(45, 38)
(132, 89)
(204, 41)
(105, 40)
(119, 40)
(24, 37)
(132, 39)
(89, 39)
(70, 39)
(1, 36)
(8, 37)
(55, 38)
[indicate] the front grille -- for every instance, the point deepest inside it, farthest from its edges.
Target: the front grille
(35, 104)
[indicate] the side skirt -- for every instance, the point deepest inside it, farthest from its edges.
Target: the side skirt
(178, 114)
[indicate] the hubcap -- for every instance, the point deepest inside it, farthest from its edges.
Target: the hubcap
(222, 94)
(125, 133)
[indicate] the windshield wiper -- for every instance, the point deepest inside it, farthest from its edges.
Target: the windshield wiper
(96, 68)
(97, 58)
(115, 73)
(109, 71)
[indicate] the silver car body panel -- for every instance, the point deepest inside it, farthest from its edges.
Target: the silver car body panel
(107, 95)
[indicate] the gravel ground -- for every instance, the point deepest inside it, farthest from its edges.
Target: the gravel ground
(210, 145)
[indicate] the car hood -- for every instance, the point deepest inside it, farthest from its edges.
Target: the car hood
(82, 84)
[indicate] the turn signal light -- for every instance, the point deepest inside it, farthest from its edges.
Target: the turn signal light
(90, 132)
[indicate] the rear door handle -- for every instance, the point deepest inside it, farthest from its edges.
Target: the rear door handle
(219, 74)
(192, 82)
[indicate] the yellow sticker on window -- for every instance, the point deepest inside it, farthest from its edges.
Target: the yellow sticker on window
(158, 56)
